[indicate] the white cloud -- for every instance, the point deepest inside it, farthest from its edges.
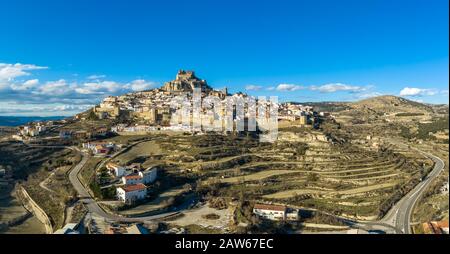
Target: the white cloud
(8, 72)
(335, 87)
(412, 91)
(31, 83)
(37, 97)
(54, 88)
(71, 107)
(140, 85)
(93, 77)
(368, 95)
(253, 88)
(288, 87)
(271, 88)
(44, 109)
(103, 87)
(418, 100)
(27, 85)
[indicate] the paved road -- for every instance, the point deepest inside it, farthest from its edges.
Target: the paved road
(92, 205)
(400, 214)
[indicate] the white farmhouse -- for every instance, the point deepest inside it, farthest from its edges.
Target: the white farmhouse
(132, 179)
(292, 214)
(271, 212)
(117, 170)
(149, 175)
(131, 193)
(145, 177)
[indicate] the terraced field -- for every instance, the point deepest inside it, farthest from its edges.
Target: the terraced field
(293, 193)
(315, 174)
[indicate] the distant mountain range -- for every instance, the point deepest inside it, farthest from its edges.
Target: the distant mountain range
(21, 120)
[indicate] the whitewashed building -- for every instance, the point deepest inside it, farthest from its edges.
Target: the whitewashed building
(131, 179)
(292, 214)
(145, 177)
(270, 212)
(116, 170)
(131, 193)
(149, 175)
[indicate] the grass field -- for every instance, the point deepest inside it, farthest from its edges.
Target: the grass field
(88, 171)
(259, 176)
(141, 150)
(293, 193)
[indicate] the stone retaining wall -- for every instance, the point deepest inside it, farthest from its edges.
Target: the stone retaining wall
(34, 208)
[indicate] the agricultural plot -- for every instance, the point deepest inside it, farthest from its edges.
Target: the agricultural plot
(258, 176)
(144, 149)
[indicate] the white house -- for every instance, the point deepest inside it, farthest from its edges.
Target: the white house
(131, 193)
(117, 170)
(271, 212)
(93, 145)
(147, 176)
(132, 179)
(99, 148)
(292, 214)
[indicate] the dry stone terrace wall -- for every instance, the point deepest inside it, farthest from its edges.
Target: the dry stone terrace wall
(34, 208)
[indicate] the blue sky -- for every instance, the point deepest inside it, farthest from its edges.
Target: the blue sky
(60, 57)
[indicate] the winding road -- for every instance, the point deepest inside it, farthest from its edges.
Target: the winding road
(400, 214)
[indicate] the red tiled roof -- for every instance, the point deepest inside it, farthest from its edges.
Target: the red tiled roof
(131, 177)
(112, 165)
(270, 207)
(442, 224)
(134, 187)
(435, 227)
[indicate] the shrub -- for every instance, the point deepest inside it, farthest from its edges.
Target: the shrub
(211, 216)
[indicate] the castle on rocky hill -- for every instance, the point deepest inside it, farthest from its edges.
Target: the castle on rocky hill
(186, 81)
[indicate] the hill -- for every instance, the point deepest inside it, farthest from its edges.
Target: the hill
(391, 104)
